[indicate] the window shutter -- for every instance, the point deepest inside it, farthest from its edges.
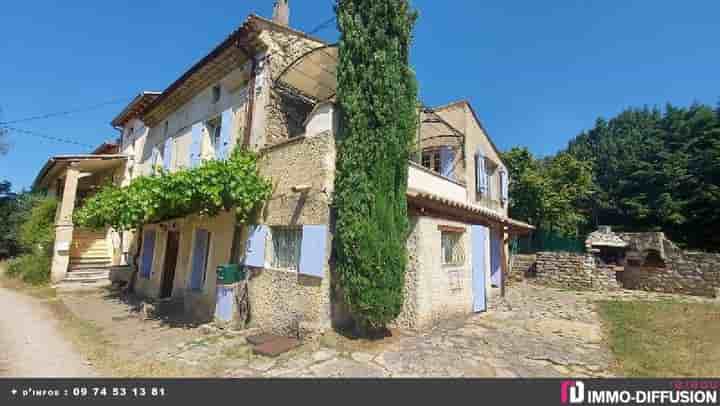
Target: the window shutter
(504, 186)
(199, 260)
(447, 158)
(312, 250)
(147, 254)
(255, 248)
(480, 173)
(225, 147)
(196, 145)
(167, 154)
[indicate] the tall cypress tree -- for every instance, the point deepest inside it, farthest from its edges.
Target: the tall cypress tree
(377, 97)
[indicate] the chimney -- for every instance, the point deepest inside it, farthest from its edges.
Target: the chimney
(281, 12)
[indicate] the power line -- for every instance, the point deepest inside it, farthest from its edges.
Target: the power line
(67, 112)
(45, 136)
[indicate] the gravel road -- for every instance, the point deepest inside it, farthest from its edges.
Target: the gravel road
(31, 344)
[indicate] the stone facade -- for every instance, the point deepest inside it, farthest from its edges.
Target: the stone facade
(574, 271)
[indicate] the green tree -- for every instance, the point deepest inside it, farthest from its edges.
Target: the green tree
(377, 96)
(549, 193)
(657, 170)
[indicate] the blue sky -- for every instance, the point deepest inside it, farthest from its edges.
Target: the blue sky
(537, 73)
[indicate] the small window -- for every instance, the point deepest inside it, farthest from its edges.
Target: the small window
(286, 243)
(453, 252)
(491, 169)
(165, 129)
(431, 159)
(216, 94)
(214, 127)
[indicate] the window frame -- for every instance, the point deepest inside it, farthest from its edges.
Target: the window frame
(274, 260)
(214, 129)
(433, 154)
(460, 259)
(215, 94)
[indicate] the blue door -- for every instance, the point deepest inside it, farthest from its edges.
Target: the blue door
(479, 238)
(495, 255)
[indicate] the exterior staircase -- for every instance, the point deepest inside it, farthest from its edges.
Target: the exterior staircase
(90, 261)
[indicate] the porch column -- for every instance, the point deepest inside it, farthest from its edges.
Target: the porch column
(64, 225)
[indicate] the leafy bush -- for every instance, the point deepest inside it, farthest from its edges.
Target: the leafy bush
(36, 238)
(38, 231)
(33, 268)
(377, 95)
(234, 184)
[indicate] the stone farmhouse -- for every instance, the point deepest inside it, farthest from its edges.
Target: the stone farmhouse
(270, 88)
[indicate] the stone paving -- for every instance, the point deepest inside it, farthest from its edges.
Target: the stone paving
(532, 332)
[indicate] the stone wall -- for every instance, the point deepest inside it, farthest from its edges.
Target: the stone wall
(696, 274)
(522, 266)
(573, 271)
(656, 264)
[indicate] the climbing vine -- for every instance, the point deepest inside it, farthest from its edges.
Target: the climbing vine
(233, 184)
(377, 96)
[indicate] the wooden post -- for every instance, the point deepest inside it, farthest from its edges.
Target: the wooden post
(504, 271)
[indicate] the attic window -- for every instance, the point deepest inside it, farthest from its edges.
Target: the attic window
(216, 93)
(431, 159)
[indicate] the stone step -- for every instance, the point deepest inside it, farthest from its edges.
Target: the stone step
(87, 272)
(97, 262)
(72, 278)
(69, 286)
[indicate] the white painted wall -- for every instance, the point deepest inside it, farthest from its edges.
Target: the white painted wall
(423, 180)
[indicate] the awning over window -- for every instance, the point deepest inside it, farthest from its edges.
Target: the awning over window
(313, 74)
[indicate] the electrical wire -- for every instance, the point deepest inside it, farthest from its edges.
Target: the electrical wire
(66, 112)
(32, 133)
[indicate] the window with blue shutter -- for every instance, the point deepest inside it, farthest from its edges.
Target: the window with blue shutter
(148, 253)
(312, 251)
(224, 147)
(255, 247)
(447, 159)
(167, 154)
(196, 145)
(504, 184)
(199, 259)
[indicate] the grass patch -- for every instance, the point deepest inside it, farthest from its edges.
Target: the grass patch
(663, 339)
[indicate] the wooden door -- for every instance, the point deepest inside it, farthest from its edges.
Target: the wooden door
(171, 254)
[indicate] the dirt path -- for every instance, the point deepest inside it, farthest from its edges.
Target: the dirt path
(30, 341)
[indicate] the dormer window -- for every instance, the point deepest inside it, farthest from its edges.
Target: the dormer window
(216, 93)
